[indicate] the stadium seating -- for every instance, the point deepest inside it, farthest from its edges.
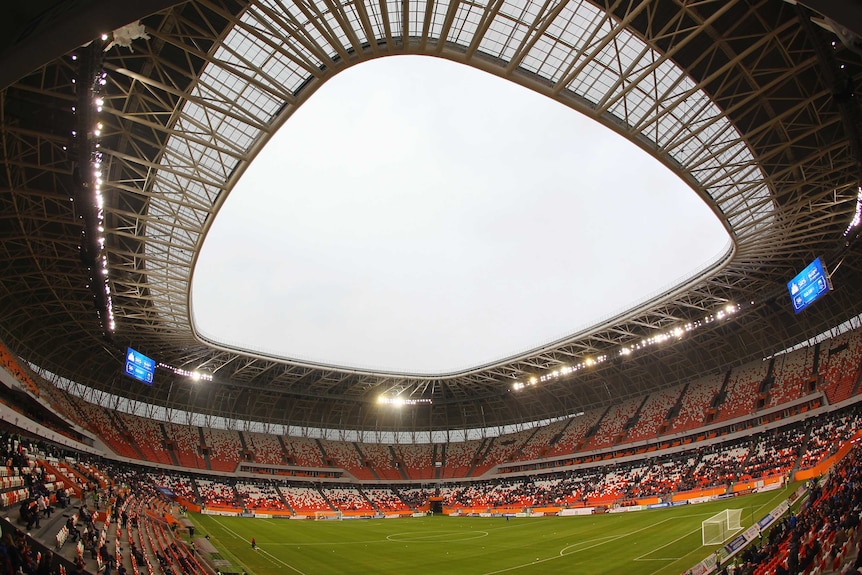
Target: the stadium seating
(719, 464)
(774, 453)
(259, 497)
(185, 441)
(418, 459)
(792, 372)
(346, 455)
(460, 457)
(347, 499)
(574, 434)
(100, 422)
(539, 444)
(217, 494)
(225, 448)
(147, 437)
(828, 433)
(742, 390)
(653, 414)
(304, 500)
(266, 448)
(381, 463)
(304, 451)
(839, 364)
(502, 449)
(415, 497)
(695, 404)
(612, 426)
(384, 500)
(181, 486)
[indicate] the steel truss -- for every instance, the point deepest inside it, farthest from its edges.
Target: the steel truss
(738, 98)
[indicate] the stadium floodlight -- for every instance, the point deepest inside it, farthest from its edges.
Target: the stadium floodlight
(718, 528)
(399, 401)
(857, 214)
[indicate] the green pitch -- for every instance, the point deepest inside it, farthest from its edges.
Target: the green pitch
(655, 542)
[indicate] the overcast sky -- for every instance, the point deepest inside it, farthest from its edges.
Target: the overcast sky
(416, 215)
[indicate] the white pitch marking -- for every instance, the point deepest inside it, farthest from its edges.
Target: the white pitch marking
(270, 555)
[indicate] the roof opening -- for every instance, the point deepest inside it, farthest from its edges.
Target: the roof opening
(423, 217)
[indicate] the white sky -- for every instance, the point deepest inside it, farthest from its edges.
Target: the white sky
(417, 215)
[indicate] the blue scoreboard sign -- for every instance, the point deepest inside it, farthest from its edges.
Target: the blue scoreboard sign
(809, 286)
(140, 366)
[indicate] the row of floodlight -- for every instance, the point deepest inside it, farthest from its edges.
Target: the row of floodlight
(193, 375)
(94, 231)
(399, 401)
(674, 334)
(857, 214)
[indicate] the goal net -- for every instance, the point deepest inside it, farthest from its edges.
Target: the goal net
(320, 515)
(718, 528)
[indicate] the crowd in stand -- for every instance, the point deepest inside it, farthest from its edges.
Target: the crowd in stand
(347, 498)
(304, 499)
(216, 493)
(262, 496)
(724, 397)
(823, 537)
(822, 533)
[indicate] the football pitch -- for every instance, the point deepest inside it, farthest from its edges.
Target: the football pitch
(652, 542)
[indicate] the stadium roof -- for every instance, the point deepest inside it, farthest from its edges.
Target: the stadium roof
(753, 105)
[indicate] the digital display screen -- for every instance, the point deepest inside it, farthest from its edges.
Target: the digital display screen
(809, 285)
(140, 366)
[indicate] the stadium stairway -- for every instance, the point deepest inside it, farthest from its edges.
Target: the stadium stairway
(399, 463)
(332, 506)
(124, 432)
(284, 451)
(285, 502)
(62, 475)
(205, 448)
(479, 456)
(803, 445)
(171, 444)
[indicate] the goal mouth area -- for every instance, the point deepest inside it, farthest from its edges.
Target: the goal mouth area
(721, 527)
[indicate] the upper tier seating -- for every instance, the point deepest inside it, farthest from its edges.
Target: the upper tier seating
(792, 372)
(653, 414)
(695, 404)
(839, 365)
(612, 426)
(304, 452)
(186, 441)
(148, 437)
(574, 434)
(381, 460)
(418, 459)
(742, 390)
(225, 448)
(345, 455)
(460, 457)
(266, 447)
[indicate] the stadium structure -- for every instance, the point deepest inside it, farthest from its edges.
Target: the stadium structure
(126, 125)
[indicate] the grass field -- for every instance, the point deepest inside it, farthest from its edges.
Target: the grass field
(655, 542)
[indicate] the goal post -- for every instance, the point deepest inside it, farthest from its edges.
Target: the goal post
(323, 515)
(719, 528)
